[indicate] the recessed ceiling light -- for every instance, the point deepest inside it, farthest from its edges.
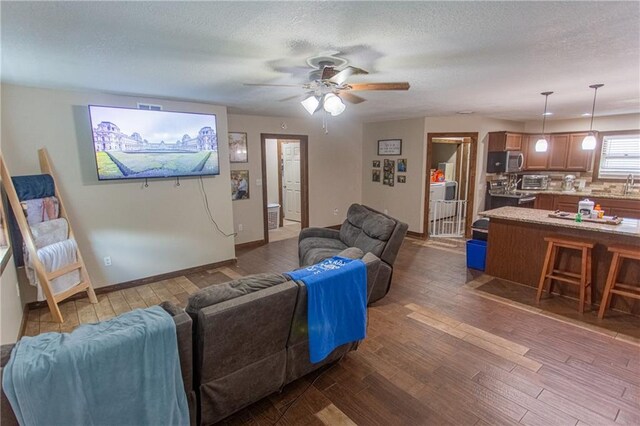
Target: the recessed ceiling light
(586, 114)
(465, 112)
(548, 113)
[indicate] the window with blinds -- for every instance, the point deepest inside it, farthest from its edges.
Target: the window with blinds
(620, 156)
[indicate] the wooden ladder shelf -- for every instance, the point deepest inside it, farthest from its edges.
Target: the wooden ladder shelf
(45, 277)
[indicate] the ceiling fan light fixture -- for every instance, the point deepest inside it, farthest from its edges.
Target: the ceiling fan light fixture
(311, 104)
(589, 142)
(333, 104)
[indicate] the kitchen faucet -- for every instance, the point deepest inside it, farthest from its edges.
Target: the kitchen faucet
(628, 185)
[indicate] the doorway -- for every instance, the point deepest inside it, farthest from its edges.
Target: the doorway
(285, 185)
(450, 181)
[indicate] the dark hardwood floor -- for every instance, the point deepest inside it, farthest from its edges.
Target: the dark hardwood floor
(438, 353)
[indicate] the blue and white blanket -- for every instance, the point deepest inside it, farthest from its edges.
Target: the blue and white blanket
(125, 371)
(336, 303)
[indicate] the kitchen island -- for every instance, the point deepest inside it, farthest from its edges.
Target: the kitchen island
(516, 249)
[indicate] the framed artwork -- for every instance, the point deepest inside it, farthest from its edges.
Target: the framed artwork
(389, 172)
(402, 165)
(375, 175)
(239, 184)
(402, 179)
(390, 147)
(376, 163)
(238, 147)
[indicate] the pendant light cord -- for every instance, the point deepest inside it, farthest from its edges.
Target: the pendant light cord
(593, 108)
(544, 116)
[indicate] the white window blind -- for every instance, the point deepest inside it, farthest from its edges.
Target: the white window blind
(620, 156)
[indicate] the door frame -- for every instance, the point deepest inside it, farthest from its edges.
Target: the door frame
(473, 140)
(304, 178)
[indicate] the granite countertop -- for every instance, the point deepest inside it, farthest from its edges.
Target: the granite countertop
(585, 194)
(628, 227)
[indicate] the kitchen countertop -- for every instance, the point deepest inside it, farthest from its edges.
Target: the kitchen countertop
(628, 227)
(586, 194)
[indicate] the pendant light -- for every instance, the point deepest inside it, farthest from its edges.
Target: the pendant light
(589, 142)
(542, 144)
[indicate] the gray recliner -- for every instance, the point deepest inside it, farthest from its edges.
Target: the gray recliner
(365, 228)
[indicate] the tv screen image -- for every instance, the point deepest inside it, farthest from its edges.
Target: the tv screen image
(131, 143)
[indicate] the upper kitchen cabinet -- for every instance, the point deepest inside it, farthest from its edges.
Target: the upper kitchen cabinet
(505, 141)
(578, 159)
(558, 149)
(564, 153)
(534, 160)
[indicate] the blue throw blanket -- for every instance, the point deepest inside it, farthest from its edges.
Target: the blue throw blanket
(124, 371)
(336, 303)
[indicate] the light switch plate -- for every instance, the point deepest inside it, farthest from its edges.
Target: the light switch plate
(259, 182)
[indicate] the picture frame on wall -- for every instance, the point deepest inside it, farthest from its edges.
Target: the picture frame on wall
(402, 165)
(238, 151)
(376, 164)
(240, 184)
(402, 179)
(390, 147)
(375, 175)
(389, 172)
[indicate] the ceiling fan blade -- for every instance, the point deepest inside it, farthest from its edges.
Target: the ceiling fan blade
(270, 85)
(328, 72)
(342, 76)
(289, 98)
(351, 98)
(380, 86)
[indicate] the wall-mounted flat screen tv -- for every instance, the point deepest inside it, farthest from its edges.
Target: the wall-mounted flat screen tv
(132, 143)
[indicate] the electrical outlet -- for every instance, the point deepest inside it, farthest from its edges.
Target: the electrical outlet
(258, 182)
(107, 261)
(335, 211)
(18, 289)
(240, 227)
(386, 211)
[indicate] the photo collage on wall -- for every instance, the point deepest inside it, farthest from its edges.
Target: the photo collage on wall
(388, 173)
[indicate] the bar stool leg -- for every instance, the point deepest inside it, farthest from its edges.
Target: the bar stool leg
(545, 271)
(552, 265)
(611, 279)
(589, 279)
(583, 280)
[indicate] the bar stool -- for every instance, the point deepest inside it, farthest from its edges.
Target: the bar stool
(549, 271)
(620, 252)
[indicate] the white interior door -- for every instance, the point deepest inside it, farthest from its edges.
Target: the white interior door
(291, 181)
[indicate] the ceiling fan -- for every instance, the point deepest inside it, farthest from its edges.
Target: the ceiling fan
(328, 88)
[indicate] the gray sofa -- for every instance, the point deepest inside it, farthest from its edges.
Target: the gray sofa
(185, 351)
(364, 228)
(251, 339)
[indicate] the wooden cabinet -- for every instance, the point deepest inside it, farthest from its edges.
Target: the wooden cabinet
(543, 202)
(505, 141)
(564, 153)
(577, 159)
(534, 160)
(558, 149)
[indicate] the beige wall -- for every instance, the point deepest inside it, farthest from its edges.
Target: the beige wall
(10, 305)
(335, 164)
(603, 124)
(406, 201)
(146, 231)
(401, 200)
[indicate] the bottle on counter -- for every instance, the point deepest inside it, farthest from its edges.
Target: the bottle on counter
(595, 213)
(578, 217)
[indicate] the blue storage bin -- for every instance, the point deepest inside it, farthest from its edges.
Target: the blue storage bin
(476, 254)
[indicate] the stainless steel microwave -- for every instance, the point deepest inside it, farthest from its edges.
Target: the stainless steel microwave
(505, 162)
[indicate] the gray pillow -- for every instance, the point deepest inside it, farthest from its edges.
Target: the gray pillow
(378, 226)
(220, 292)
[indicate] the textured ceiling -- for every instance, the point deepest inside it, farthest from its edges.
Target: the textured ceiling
(488, 57)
